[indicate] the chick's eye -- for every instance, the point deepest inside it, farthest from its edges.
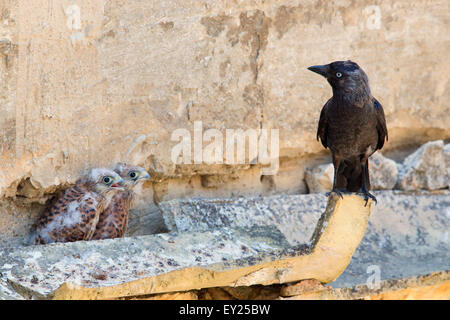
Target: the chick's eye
(132, 174)
(107, 180)
(338, 74)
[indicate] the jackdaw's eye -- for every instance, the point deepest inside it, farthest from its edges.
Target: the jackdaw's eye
(132, 174)
(107, 180)
(338, 74)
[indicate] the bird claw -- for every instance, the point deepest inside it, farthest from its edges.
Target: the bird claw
(336, 191)
(368, 195)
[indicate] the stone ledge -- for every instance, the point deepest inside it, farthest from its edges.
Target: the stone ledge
(42, 269)
(52, 271)
(434, 286)
(231, 253)
(294, 215)
(431, 286)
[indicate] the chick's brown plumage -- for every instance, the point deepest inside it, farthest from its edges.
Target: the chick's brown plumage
(74, 215)
(113, 220)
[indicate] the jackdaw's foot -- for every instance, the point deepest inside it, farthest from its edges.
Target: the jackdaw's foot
(337, 191)
(368, 195)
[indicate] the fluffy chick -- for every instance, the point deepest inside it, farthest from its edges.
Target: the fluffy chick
(114, 219)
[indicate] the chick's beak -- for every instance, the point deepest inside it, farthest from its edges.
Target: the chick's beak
(322, 70)
(117, 183)
(144, 175)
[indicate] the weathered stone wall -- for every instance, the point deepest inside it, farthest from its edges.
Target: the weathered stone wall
(89, 83)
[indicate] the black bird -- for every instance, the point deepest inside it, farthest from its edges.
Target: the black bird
(352, 125)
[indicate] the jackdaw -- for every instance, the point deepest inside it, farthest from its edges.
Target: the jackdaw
(352, 125)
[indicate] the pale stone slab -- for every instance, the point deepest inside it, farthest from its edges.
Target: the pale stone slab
(383, 175)
(447, 161)
(108, 262)
(187, 260)
(433, 286)
(294, 215)
(426, 168)
(383, 172)
(408, 233)
(7, 292)
(320, 178)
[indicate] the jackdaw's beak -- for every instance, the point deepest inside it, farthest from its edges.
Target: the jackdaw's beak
(322, 70)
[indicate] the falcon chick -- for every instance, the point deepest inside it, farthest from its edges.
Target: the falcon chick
(75, 214)
(113, 220)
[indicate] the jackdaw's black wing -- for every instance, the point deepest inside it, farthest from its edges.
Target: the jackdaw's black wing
(322, 130)
(381, 124)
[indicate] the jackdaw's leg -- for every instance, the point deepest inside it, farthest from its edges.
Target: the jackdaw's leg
(336, 165)
(364, 191)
